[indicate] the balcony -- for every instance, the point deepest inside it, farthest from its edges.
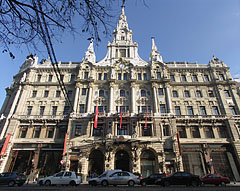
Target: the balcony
(42, 117)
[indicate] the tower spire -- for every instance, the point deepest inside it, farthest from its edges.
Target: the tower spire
(155, 55)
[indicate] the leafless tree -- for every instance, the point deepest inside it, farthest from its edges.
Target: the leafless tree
(30, 21)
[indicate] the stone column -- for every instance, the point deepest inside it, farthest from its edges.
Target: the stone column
(89, 99)
(133, 99)
(76, 100)
(111, 98)
(168, 99)
(155, 102)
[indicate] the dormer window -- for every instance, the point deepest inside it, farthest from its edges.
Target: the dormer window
(122, 38)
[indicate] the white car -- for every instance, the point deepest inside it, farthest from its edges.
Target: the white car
(63, 178)
(102, 177)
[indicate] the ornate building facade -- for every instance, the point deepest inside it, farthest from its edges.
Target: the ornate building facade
(174, 115)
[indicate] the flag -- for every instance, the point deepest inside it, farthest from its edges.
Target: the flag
(121, 119)
(179, 146)
(96, 118)
(5, 145)
(146, 119)
(65, 144)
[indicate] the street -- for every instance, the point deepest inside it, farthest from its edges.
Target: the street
(86, 187)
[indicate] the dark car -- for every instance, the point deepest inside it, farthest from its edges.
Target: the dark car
(12, 178)
(216, 179)
(181, 178)
(150, 180)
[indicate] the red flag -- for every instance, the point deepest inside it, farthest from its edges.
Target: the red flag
(121, 119)
(65, 144)
(96, 118)
(5, 145)
(179, 146)
(146, 119)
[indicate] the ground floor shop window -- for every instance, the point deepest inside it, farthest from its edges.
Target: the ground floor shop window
(147, 163)
(96, 163)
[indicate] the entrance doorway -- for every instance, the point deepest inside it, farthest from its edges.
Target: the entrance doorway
(147, 163)
(122, 160)
(96, 163)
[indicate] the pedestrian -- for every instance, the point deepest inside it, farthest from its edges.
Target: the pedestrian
(30, 177)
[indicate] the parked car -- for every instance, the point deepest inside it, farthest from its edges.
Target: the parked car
(63, 178)
(216, 179)
(152, 179)
(12, 178)
(180, 178)
(102, 177)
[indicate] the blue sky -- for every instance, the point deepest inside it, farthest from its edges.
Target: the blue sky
(184, 30)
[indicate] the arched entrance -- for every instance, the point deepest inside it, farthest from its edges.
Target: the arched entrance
(96, 163)
(122, 160)
(147, 163)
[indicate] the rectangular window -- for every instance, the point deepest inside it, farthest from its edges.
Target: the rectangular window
(101, 93)
(84, 91)
(175, 93)
(206, 78)
(66, 110)
(50, 77)
(182, 132)
(78, 130)
(119, 76)
(39, 77)
(85, 75)
(172, 78)
(227, 93)
(139, 76)
(62, 132)
(144, 76)
(98, 132)
(221, 77)
(210, 93)
(186, 93)
(58, 93)
(46, 93)
(160, 91)
(146, 131)
(99, 76)
(29, 110)
(42, 108)
(222, 131)
(34, 93)
(50, 131)
(190, 110)
(81, 110)
(69, 94)
(184, 79)
(166, 130)
(123, 130)
(54, 110)
(195, 78)
(208, 132)
(122, 53)
(203, 110)
(36, 132)
(232, 110)
(215, 110)
(105, 76)
(23, 132)
(198, 93)
(177, 110)
(163, 108)
(125, 76)
(195, 132)
(158, 75)
(72, 77)
(61, 77)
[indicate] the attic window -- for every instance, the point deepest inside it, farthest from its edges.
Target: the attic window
(122, 38)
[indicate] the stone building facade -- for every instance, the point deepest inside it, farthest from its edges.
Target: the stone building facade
(175, 115)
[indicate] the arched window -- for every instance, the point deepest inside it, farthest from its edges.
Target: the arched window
(101, 93)
(122, 93)
(143, 93)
